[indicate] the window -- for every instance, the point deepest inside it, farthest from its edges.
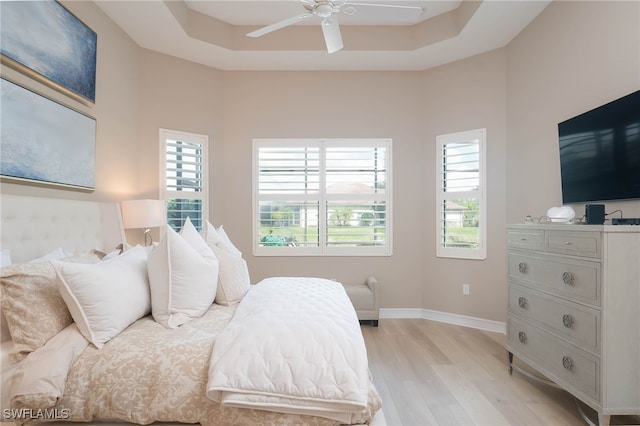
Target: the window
(461, 203)
(322, 197)
(184, 177)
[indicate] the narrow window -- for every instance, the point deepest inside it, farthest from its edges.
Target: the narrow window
(184, 177)
(322, 197)
(461, 199)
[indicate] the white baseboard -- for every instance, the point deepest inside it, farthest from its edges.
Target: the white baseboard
(446, 317)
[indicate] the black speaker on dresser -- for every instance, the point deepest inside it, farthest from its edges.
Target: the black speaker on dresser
(594, 214)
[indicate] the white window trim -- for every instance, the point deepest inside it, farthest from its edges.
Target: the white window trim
(322, 249)
(479, 253)
(204, 194)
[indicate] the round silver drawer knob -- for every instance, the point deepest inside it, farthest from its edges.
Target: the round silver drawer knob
(567, 320)
(522, 302)
(522, 267)
(522, 336)
(567, 362)
(567, 278)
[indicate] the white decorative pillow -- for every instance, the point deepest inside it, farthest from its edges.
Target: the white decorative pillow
(112, 254)
(234, 280)
(195, 240)
(106, 297)
(5, 257)
(227, 241)
(210, 234)
(58, 253)
(218, 237)
(183, 274)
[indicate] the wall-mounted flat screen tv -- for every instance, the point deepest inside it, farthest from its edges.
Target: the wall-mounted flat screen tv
(600, 152)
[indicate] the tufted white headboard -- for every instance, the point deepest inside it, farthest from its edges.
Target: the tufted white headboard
(33, 226)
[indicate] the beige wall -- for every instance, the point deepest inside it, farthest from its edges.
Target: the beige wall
(574, 56)
(331, 104)
(409, 107)
(466, 95)
(177, 95)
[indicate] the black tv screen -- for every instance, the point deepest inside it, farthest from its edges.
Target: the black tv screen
(600, 153)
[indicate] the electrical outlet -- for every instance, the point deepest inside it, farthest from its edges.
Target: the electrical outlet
(465, 289)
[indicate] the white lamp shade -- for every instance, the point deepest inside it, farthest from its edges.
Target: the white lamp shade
(143, 213)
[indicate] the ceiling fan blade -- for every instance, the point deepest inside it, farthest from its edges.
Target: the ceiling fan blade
(278, 25)
(397, 6)
(331, 32)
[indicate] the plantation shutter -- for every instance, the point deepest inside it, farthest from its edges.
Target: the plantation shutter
(185, 178)
(322, 197)
(461, 200)
(356, 196)
(289, 196)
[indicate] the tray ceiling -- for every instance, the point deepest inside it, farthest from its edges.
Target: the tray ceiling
(213, 33)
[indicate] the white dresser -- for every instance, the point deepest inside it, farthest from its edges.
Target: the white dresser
(574, 310)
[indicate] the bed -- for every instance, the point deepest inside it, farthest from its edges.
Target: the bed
(287, 351)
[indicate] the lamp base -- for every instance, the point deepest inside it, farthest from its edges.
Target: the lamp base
(147, 237)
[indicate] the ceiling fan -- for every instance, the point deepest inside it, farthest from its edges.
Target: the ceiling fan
(328, 11)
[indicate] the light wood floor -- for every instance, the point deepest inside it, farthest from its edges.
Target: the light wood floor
(430, 373)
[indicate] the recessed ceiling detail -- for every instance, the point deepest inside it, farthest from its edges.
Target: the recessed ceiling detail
(214, 33)
(328, 13)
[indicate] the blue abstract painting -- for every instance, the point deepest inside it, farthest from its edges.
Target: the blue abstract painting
(45, 37)
(44, 141)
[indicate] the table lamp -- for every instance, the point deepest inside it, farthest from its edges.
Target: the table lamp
(144, 214)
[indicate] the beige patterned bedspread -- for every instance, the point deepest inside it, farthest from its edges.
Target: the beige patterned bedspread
(149, 373)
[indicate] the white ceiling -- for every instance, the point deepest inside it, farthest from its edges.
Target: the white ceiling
(213, 32)
(264, 12)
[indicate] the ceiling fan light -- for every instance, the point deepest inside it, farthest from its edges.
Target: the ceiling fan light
(323, 10)
(349, 10)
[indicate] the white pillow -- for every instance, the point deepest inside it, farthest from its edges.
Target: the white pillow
(210, 235)
(105, 298)
(58, 253)
(234, 280)
(195, 240)
(183, 275)
(5, 257)
(218, 237)
(112, 254)
(227, 241)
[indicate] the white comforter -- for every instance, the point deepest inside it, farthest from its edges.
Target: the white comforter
(283, 351)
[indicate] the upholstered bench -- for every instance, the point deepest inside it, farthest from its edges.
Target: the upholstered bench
(364, 299)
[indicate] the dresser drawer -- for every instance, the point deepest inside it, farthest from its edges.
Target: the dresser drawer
(577, 243)
(568, 365)
(572, 278)
(526, 239)
(578, 324)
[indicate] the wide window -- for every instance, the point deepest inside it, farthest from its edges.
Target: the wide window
(461, 200)
(184, 177)
(322, 197)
